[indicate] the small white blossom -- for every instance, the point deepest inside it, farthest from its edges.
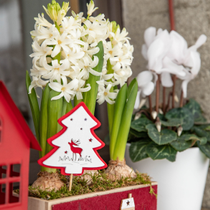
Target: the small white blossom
(104, 93)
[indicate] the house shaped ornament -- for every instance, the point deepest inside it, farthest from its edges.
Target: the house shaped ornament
(16, 139)
(128, 203)
(75, 146)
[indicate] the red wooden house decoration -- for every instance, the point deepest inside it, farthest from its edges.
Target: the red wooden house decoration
(16, 139)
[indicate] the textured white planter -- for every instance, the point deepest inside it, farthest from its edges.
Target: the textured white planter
(181, 183)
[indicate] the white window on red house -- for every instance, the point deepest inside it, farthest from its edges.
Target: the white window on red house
(9, 181)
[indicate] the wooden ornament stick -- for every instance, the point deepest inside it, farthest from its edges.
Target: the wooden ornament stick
(70, 182)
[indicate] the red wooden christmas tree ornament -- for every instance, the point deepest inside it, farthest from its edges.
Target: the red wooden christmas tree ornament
(16, 139)
(75, 146)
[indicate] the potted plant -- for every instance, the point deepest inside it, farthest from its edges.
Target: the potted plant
(80, 59)
(170, 142)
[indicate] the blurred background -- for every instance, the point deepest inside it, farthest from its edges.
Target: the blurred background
(192, 18)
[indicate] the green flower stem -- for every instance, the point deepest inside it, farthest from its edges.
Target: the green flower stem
(120, 145)
(64, 107)
(44, 119)
(117, 115)
(34, 105)
(110, 111)
(90, 96)
(69, 107)
(76, 102)
(110, 107)
(54, 113)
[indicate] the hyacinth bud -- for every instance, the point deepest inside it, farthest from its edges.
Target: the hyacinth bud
(55, 12)
(137, 116)
(154, 115)
(114, 26)
(158, 124)
(90, 8)
(179, 130)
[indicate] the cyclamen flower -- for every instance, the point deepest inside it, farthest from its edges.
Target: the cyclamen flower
(168, 53)
(184, 58)
(155, 49)
(145, 84)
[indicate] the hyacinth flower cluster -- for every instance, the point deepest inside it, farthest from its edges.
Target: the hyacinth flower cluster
(163, 128)
(76, 59)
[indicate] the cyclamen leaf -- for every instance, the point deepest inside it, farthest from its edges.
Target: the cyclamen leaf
(139, 124)
(171, 123)
(161, 151)
(137, 150)
(185, 141)
(183, 115)
(200, 132)
(205, 148)
(163, 137)
(195, 109)
(180, 145)
(138, 134)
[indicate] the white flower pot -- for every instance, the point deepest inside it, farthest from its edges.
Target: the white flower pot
(181, 183)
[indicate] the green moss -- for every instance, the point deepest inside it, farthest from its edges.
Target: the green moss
(100, 183)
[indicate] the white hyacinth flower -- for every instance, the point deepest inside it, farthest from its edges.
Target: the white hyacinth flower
(67, 49)
(65, 89)
(104, 93)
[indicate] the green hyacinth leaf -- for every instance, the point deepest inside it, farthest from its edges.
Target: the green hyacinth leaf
(90, 96)
(137, 150)
(205, 148)
(195, 109)
(33, 105)
(163, 137)
(139, 124)
(183, 115)
(107, 140)
(161, 152)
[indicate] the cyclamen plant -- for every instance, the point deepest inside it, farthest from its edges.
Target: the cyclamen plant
(161, 131)
(76, 59)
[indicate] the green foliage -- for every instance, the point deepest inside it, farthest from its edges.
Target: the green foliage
(163, 137)
(33, 105)
(120, 145)
(138, 150)
(146, 141)
(90, 96)
(161, 151)
(195, 109)
(183, 116)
